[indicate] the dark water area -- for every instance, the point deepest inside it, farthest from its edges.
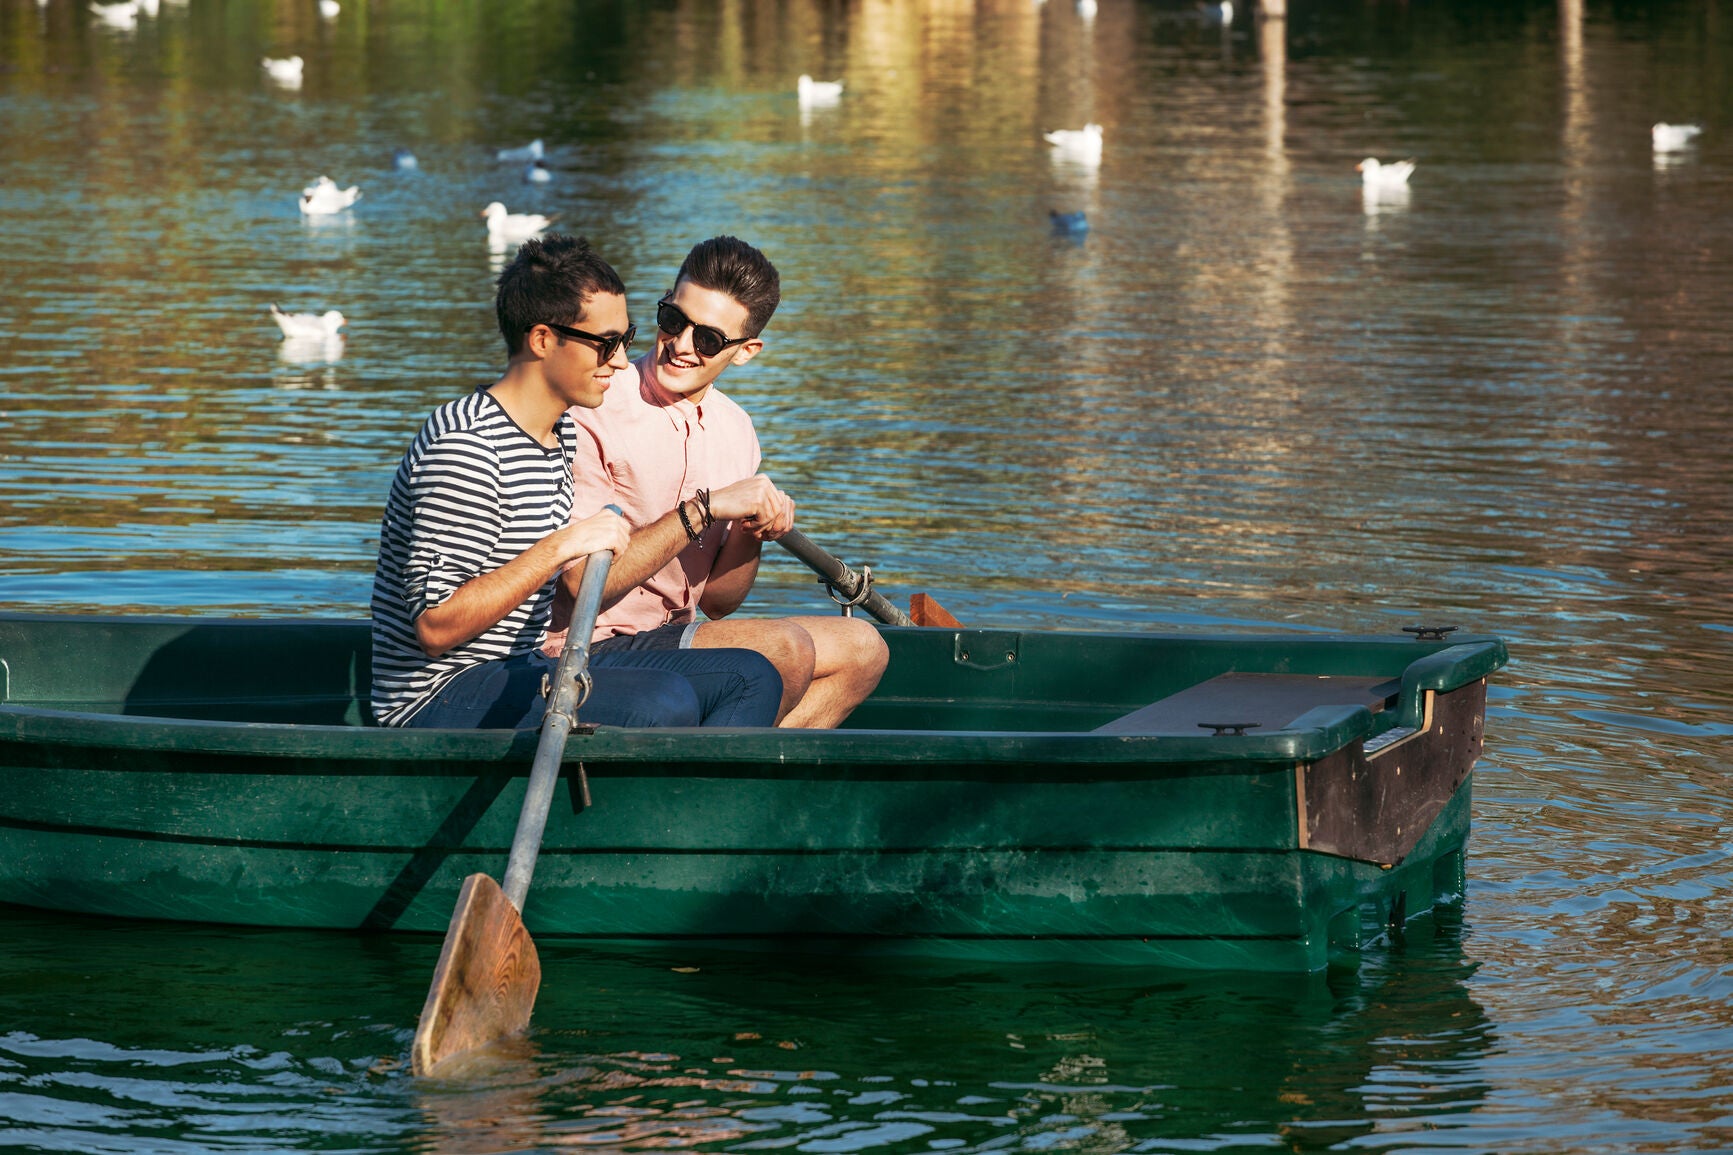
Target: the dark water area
(648, 1050)
(1250, 396)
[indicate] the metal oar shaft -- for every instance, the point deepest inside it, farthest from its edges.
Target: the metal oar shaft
(842, 579)
(562, 715)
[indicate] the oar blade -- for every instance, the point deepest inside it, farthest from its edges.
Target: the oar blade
(485, 985)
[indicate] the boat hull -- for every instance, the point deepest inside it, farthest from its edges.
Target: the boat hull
(1255, 851)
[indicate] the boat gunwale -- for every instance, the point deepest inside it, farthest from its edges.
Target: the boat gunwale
(752, 747)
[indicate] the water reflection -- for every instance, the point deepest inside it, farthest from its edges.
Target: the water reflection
(311, 350)
(730, 1054)
(293, 1036)
(120, 16)
(1578, 124)
(1378, 199)
(1673, 158)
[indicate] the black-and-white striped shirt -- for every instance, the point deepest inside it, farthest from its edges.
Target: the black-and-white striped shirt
(473, 492)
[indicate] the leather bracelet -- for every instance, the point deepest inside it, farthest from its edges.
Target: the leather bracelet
(686, 523)
(704, 502)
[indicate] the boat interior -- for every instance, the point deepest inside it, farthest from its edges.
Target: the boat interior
(305, 672)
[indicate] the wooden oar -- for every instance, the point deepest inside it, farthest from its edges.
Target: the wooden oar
(854, 589)
(485, 985)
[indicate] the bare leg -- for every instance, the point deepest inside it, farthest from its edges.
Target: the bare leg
(848, 658)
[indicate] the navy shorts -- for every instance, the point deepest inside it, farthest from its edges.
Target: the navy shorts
(676, 636)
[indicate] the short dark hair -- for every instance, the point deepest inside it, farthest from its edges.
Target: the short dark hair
(552, 278)
(730, 265)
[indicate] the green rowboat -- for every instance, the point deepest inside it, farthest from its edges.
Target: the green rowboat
(1245, 802)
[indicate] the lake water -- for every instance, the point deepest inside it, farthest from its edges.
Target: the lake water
(1249, 397)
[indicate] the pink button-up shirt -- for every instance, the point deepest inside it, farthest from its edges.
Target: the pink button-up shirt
(646, 450)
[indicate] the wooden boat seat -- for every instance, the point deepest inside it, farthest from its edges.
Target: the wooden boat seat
(1264, 701)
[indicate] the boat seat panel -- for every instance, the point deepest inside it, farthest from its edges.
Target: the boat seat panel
(1264, 701)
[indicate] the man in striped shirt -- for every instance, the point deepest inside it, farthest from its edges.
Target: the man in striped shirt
(475, 540)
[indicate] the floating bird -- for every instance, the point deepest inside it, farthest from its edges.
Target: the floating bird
(1087, 9)
(1218, 13)
(117, 15)
(284, 71)
(529, 152)
(323, 197)
(403, 160)
(329, 9)
(537, 173)
(1375, 174)
(149, 7)
(815, 92)
(1674, 137)
(304, 326)
(502, 225)
(1076, 144)
(1070, 224)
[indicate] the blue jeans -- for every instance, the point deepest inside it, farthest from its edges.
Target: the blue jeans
(629, 688)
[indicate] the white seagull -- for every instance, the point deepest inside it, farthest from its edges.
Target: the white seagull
(537, 173)
(816, 92)
(1375, 174)
(1087, 9)
(403, 160)
(1076, 144)
(304, 326)
(117, 15)
(502, 226)
(284, 71)
(1674, 137)
(323, 197)
(329, 9)
(529, 152)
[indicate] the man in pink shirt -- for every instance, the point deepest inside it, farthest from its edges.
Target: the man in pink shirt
(681, 459)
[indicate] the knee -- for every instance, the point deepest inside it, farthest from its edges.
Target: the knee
(868, 652)
(790, 649)
(757, 696)
(757, 668)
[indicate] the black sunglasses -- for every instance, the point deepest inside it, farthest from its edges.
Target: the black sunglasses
(707, 342)
(606, 347)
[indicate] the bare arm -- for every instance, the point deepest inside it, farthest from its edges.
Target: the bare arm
(771, 516)
(754, 502)
(483, 601)
(652, 547)
(731, 579)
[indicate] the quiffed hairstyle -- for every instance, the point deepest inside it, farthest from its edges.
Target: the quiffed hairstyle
(730, 265)
(551, 279)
